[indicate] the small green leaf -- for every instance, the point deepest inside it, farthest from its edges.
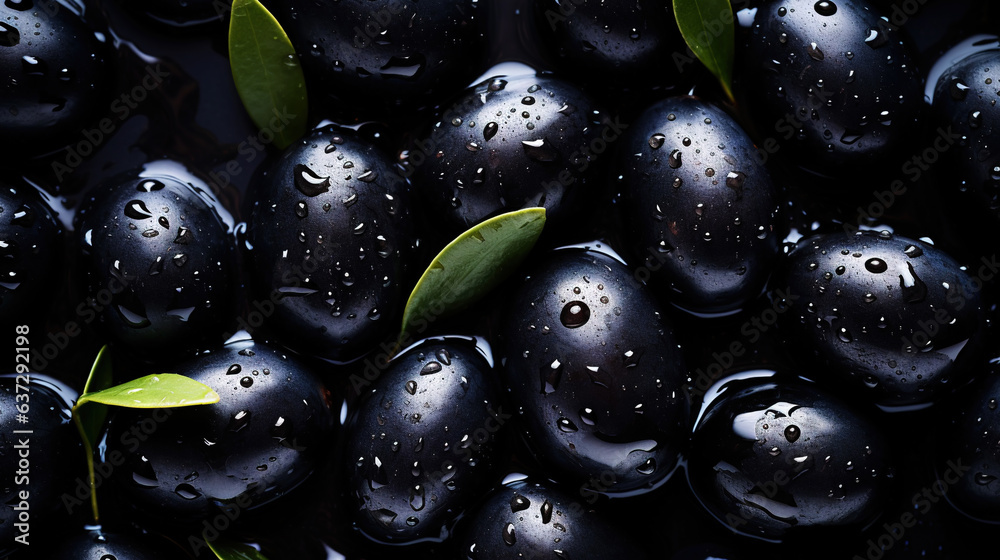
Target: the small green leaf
(267, 72)
(472, 265)
(164, 390)
(708, 29)
(233, 551)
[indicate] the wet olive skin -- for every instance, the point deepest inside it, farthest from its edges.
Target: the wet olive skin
(59, 74)
(529, 519)
(421, 444)
(965, 104)
(158, 259)
(773, 457)
(53, 450)
(625, 42)
(374, 56)
(181, 13)
(30, 252)
(599, 398)
(972, 433)
(850, 101)
(884, 323)
(269, 432)
(332, 235)
(700, 207)
(102, 545)
(508, 143)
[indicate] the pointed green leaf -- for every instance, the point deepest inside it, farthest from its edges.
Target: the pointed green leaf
(472, 265)
(164, 390)
(92, 417)
(225, 550)
(267, 72)
(709, 30)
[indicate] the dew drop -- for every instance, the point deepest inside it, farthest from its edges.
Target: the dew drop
(574, 314)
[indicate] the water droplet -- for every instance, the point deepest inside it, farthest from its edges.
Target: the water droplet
(301, 209)
(187, 492)
(656, 141)
(845, 335)
(792, 433)
(551, 375)
(975, 119)
(430, 368)
(385, 516)
(574, 314)
(850, 137)
(309, 182)
(814, 52)
(735, 180)
(417, 497)
(825, 8)
(876, 266)
(239, 421)
(519, 503)
(539, 150)
(674, 159)
(647, 468)
(508, 534)
(566, 425)
(876, 38)
(913, 251)
(914, 289)
(246, 381)
(983, 479)
(490, 130)
(411, 387)
(546, 512)
(136, 209)
(184, 236)
(958, 90)
(9, 35)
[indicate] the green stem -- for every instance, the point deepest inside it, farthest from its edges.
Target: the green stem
(91, 476)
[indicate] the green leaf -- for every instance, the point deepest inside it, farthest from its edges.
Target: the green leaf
(167, 390)
(708, 29)
(164, 390)
(472, 265)
(92, 417)
(267, 72)
(233, 551)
